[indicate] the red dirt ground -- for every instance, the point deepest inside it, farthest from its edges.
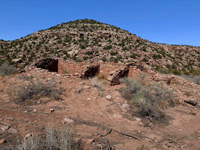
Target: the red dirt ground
(98, 121)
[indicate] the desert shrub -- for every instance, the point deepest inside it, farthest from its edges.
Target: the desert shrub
(51, 140)
(176, 72)
(162, 70)
(113, 53)
(133, 55)
(34, 90)
(7, 69)
(104, 59)
(150, 99)
(156, 56)
(95, 83)
(82, 46)
(107, 47)
(195, 79)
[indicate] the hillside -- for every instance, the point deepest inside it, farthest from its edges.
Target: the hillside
(91, 41)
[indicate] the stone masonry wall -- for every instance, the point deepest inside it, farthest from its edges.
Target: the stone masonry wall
(80, 67)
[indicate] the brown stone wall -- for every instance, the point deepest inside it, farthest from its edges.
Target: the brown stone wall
(80, 67)
(71, 67)
(106, 68)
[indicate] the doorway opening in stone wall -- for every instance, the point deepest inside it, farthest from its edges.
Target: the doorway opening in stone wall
(50, 64)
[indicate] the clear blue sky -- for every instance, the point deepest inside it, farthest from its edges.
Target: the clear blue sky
(163, 21)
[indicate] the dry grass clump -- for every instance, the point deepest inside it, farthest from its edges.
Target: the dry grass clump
(7, 69)
(150, 99)
(51, 140)
(195, 79)
(102, 76)
(34, 90)
(96, 83)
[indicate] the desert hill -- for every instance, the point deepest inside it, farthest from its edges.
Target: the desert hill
(96, 87)
(91, 41)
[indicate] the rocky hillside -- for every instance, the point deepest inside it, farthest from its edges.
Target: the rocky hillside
(91, 41)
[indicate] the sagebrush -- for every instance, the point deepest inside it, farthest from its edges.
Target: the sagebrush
(7, 69)
(34, 90)
(51, 139)
(150, 99)
(195, 79)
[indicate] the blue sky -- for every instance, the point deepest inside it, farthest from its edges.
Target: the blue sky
(163, 21)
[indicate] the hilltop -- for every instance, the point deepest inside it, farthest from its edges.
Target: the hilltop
(91, 41)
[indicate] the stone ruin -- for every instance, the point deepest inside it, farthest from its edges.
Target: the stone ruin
(48, 63)
(90, 71)
(116, 75)
(85, 70)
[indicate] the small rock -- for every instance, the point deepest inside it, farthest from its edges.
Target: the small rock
(76, 74)
(35, 110)
(192, 113)
(27, 136)
(191, 102)
(12, 130)
(89, 99)
(10, 118)
(68, 120)
(112, 72)
(108, 97)
(4, 128)
(2, 141)
(138, 119)
(117, 116)
(109, 78)
(90, 141)
(140, 123)
(125, 105)
(52, 110)
(86, 87)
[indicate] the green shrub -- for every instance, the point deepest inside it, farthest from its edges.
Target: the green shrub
(176, 72)
(108, 47)
(7, 69)
(82, 46)
(104, 59)
(113, 53)
(150, 99)
(156, 56)
(162, 70)
(133, 55)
